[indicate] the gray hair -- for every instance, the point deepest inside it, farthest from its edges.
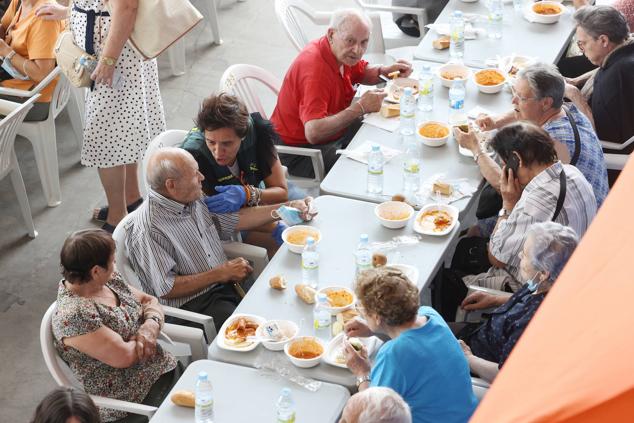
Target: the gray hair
(341, 17)
(545, 81)
(381, 404)
(603, 20)
(163, 165)
(553, 244)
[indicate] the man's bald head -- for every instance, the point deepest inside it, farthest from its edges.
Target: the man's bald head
(166, 163)
(346, 19)
(349, 35)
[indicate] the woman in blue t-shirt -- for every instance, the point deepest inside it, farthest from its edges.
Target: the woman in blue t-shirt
(422, 361)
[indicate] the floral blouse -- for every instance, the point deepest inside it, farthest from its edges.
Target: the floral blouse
(77, 315)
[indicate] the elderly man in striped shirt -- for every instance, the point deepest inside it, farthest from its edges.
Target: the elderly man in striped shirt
(535, 187)
(174, 242)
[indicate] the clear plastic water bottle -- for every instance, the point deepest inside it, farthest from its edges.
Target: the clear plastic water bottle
(518, 5)
(408, 114)
(322, 319)
(375, 170)
(426, 90)
(363, 255)
(495, 18)
(310, 263)
(118, 80)
(457, 92)
(411, 170)
(285, 407)
(204, 410)
(456, 40)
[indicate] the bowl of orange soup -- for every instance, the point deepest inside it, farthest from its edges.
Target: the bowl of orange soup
(295, 237)
(432, 133)
(305, 351)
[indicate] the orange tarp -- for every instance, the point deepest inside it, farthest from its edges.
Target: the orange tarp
(575, 361)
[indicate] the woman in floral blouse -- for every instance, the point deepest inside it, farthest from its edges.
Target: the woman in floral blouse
(106, 330)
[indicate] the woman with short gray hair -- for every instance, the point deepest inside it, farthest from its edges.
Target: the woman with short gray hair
(374, 405)
(546, 251)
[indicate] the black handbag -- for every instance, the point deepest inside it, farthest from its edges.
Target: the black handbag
(490, 201)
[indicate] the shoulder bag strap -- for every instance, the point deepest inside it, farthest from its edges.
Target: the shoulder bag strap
(562, 194)
(575, 157)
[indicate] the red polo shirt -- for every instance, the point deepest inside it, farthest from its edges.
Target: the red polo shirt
(314, 88)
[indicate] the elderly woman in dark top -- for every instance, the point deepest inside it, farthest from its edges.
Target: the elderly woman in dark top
(106, 330)
(548, 247)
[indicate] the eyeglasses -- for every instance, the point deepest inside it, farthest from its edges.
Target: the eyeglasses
(519, 97)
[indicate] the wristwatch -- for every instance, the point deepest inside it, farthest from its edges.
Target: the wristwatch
(9, 56)
(108, 61)
(361, 379)
(503, 212)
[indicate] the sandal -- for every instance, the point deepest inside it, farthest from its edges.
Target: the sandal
(108, 228)
(102, 214)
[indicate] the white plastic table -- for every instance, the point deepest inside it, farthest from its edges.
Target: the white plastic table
(340, 221)
(242, 394)
(348, 178)
(546, 42)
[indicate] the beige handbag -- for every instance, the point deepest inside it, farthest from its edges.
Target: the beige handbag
(159, 24)
(68, 57)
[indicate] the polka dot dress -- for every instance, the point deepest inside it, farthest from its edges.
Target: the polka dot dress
(119, 122)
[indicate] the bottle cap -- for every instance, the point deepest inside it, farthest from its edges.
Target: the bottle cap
(376, 147)
(457, 13)
(202, 376)
(408, 91)
(322, 298)
(427, 68)
(310, 240)
(363, 238)
(286, 391)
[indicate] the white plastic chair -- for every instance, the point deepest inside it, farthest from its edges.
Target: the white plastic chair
(616, 161)
(256, 255)
(14, 115)
(237, 80)
(288, 12)
(392, 35)
(64, 377)
(42, 134)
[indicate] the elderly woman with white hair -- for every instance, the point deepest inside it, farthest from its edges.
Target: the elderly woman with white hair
(376, 405)
(546, 251)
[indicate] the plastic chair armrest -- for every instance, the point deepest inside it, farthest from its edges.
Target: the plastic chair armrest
(315, 155)
(256, 255)
(190, 336)
(36, 90)
(616, 145)
(129, 407)
(206, 321)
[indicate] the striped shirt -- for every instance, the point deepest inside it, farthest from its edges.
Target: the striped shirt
(537, 204)
(166, 239)
(591, 162)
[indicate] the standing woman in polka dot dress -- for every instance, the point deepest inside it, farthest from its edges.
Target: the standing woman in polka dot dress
(120, 119)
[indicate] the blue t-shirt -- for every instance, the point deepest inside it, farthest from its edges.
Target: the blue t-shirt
(427, 368)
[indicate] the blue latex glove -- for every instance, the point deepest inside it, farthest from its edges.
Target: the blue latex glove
(230, 199)
(277, 233)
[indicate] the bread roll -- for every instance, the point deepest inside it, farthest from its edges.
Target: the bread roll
(306, 293)
(441, 43)
(278, 282)
(442, 188)
(390, 110)
(184, 398)
(379, 260)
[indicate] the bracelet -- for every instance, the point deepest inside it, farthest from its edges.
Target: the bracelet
(9, 56)
(24, 67)
(254, 195)
(477, 157)
(362, 109)
(362, 379)
(108, 61)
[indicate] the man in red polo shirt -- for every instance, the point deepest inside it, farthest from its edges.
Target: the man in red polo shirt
(314, 107)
